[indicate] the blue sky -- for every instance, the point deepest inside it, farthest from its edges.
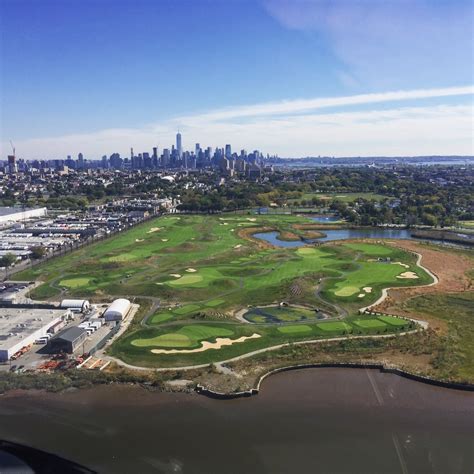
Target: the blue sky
(102, 76)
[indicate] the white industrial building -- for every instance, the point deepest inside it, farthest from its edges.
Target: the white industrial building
(117, 310)
(76, 305)
(15, 214)
(20, 327)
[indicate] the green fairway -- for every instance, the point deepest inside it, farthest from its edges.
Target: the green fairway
(75, 282)
(161, 317)
(205, 268)
(213, 303)
(374, 250)
(189, 308)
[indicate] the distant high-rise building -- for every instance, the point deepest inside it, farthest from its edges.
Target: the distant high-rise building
(197, 149)
(179, 145)
(12, 169)
(165, 158)
(228, 151)
(80, 161)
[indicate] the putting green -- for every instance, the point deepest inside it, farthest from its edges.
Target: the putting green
(370, 323)
(200, 332)
(393, 321)
(295, 329)
(75, 282)
(186, 280)
(347, 291)
(172, 339)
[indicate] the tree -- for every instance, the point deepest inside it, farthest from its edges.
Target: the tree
(7, 260)
(38, 252)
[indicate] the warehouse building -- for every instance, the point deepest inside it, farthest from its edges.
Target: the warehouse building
(117, 310)
(20, 327)
(76, 305)
(68, 340)
(15, 214)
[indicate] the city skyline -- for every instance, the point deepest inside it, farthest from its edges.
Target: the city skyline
(292, 78)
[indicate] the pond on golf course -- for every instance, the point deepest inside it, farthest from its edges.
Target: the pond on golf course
(336, 234)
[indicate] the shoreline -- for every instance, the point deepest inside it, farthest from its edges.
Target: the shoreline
(384, 368)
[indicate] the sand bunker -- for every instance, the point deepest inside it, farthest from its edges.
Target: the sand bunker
(154, 229)
(251, 219)
(139, 240)
(367, 289)
(191, 270)
(220, 342)
(402, 264)
(164, 240)
(176, 275)
(408, 276)
(361, 295)
(238, 246)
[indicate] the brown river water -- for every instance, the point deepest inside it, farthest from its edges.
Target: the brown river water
(306, 421)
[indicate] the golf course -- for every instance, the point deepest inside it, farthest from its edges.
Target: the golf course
(223, 292)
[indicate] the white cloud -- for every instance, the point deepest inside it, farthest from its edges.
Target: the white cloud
(303, 105)
(294, 128)
(389, 43)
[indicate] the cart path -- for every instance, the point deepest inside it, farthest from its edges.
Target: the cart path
(386, 290)
(424, 325)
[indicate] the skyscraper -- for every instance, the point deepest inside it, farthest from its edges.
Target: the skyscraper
(228, 152)
(179, 146)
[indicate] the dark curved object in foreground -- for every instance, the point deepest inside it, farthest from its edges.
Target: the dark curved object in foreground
(16, 458)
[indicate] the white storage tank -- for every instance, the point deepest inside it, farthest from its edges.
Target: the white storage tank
(117, 310)
(77, 305)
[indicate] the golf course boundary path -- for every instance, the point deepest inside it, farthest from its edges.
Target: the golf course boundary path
(385, 291)
(422, 326)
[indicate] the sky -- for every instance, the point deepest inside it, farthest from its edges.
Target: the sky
(288, 77)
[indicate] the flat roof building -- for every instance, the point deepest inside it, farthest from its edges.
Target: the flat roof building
(14, 214)
(20, 327)
(68, 340)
